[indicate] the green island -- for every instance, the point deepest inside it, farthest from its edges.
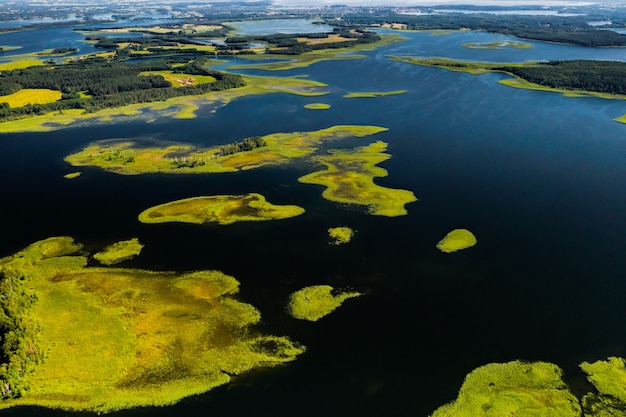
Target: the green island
(349, 178)
(313, 303)
(609, 379)
(340, 235)
(134, 157)
(103, 339)
(221, 209)
(513, 389)
(578, 78)
(72, 175)
(456, 240)
(498, 45)
(119, 252)
(372, 94)
(317, 106)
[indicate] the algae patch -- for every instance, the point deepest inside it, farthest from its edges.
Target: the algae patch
(317, 106)
(114, 338)
(313, 303)
(144, 155)
(72, 175)
(456, 240)
(349, 178)
(513, 389)
(340, 235)
(221, 209)
(119, 252)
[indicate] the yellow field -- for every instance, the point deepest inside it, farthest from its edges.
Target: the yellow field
(181, 80)
(19, 64)
(330, 39)
(31, 96)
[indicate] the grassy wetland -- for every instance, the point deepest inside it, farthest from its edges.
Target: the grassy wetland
(513, 388)
(456, 240)
(315, 302)
(220, 209)
(135, 157)
(119, 252)
(103, 339)
(340, 235)
(349, 179)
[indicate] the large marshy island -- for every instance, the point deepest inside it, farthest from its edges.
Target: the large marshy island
(144, 156)
(102, 339)
(220, 209)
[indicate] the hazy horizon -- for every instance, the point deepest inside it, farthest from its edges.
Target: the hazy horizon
(417, 3)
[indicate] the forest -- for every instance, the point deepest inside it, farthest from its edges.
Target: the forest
(599, 76)
(569, 30)
(96, 83)
(22, 348)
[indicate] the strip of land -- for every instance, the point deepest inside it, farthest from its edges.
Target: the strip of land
(372, 94)
(578, 78)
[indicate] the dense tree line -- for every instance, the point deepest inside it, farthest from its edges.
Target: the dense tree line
(22, 348)
(59, 51)
(571, 30)
(247, 144)
(599, 76)
(111, 84)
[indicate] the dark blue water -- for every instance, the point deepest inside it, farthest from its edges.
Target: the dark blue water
(537, 177)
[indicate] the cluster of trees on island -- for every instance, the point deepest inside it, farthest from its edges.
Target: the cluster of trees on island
(106, 83)
(247, 144)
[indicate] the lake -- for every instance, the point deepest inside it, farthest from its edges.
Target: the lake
(537, 177)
